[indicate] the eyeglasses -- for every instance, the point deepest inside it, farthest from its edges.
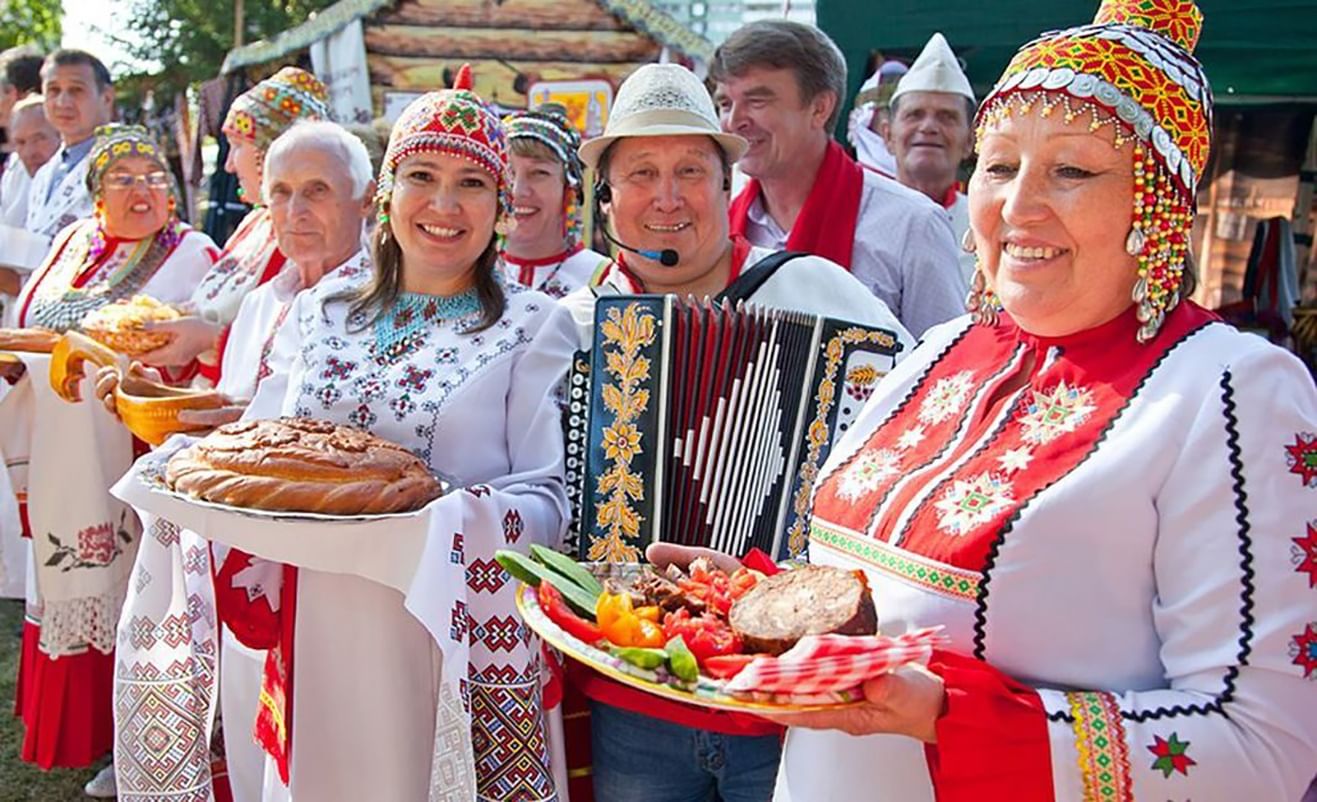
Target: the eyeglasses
(157, 180)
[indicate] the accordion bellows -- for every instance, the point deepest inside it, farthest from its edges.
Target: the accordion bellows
(707, 425)
(301, 465)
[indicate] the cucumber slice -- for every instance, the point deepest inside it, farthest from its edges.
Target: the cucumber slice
(567, 567)
(532, 573)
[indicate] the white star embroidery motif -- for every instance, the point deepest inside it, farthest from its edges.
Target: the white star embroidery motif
(946, 397)
(1056, 412)
(867, 472)
(261, 578)
(969, 503)
(911, 438)
(1015, 459)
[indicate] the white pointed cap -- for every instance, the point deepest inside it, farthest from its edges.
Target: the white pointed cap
(936, 70)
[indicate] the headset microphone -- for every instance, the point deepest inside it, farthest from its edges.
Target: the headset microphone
(666, 257)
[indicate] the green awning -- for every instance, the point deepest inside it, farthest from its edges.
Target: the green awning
(1253, 50)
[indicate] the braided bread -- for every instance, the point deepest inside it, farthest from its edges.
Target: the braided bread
(300, 465)
(35, 340)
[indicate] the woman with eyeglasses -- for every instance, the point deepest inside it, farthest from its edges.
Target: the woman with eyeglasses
(84, 541)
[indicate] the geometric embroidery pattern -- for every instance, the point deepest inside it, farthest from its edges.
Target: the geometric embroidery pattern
(1055, 412)
(1304, 554)
(946, 397)
(507, 735)
(867, 472)
(968, 503)
(944, 579)
(1303, 650)
(1302, 458)
(485, 576)
(1171, 755)
(1104, 762)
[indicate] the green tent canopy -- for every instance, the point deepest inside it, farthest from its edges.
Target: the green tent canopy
(1254, 51)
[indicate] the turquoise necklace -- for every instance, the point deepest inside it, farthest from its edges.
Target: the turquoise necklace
(404, 326)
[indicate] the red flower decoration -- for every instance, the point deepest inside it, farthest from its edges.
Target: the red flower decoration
(1305, 555)
(1171, 755)
(1302, 457)
(96, 544)
(1304, 650)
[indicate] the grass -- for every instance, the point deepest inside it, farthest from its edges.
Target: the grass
(19, 781)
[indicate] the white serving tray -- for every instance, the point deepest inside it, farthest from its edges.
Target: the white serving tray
(383, 548)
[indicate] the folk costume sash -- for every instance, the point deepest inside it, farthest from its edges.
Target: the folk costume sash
(1001, 416)
(826, 223)
(70, 200)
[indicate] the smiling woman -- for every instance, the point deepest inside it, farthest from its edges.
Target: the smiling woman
(424, 353)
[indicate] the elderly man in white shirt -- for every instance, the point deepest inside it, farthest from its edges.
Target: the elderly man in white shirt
(931, 112)
(779, 85)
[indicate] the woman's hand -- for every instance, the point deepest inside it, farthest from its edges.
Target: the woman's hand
(213, 418)
(108, 378)
(906, 702)
(664, 554)
(191, 336)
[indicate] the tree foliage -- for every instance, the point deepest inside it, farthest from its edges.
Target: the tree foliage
(34, 22)
(189, 38)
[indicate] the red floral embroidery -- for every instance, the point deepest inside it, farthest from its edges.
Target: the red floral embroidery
(1304, 650)
(1305, 554)
(1302, 457)
(96, 544)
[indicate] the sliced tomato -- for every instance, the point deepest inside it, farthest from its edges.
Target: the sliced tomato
(726, 666)
(742, 580)
(705, 635)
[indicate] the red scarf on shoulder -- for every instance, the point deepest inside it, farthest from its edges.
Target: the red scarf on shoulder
(826, 224)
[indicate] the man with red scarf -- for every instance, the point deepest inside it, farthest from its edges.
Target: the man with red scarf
(779, 85)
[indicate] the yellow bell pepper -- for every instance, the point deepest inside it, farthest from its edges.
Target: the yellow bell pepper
(625, 625)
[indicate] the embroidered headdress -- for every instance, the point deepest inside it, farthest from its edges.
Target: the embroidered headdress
(271, 107)
(452, 121)
(1133, 69)
(548, 124)
(115, 142)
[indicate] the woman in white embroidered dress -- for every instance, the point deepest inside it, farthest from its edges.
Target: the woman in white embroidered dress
(425, 355)
(1106, 497)
(83, 541)
(544, 251)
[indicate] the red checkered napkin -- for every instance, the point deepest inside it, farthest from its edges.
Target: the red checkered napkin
(829, 663)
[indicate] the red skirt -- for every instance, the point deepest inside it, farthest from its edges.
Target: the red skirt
(66, 705)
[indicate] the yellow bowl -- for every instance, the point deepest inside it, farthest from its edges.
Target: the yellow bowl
(150, 410)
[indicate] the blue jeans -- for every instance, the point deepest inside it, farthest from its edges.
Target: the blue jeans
(642, 759)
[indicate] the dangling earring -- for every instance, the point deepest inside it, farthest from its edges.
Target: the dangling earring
(98, 209)
(967, 243)
(1135, 241)
(982, 302)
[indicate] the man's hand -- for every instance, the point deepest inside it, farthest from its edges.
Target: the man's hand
(664, 554)
(907, 701)
(108, 378)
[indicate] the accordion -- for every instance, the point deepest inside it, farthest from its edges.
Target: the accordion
(706, 425)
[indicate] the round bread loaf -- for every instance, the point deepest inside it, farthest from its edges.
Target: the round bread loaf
(301, 465)
(811, 600)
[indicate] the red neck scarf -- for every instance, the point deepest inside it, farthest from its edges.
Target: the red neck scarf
(826, 224)
(526, 267)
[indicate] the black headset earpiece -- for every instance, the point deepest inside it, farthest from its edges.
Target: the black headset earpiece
(727, 183)
(603, 193)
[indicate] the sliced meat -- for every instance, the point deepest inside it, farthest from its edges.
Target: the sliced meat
(811, 600)
(665, 593)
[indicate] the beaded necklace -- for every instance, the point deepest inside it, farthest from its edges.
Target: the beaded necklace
(404, 326)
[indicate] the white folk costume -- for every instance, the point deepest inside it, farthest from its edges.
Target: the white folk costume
(1120, 551)
(15, 183)
(892, 238)
(251, 255)
(84, 541)
(1115, 526)
(561, 274)
(58, 194)
(168, 686)
(556, 276)
(371, 666)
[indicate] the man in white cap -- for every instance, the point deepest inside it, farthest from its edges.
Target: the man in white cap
(932, 110)
(779, 84)
(663, 172)
(866, 128)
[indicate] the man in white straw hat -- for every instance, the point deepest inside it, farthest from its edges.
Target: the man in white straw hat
(929, 133)
(780, 85)
(866, 127)
(663, 174)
